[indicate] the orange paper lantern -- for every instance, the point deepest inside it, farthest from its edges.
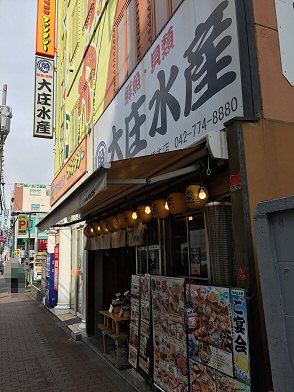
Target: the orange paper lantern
(129, 221)
(103, 225)
(121, 221)
(86, 232)
(143, 216)
(192, 198)
(177, 203)
(97, 228)
(159, 210)
(113, 223)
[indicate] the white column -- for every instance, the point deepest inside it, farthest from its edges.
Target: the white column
(64, 280)
(82, 326)
(51, 240)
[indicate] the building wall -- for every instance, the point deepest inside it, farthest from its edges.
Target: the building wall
(18, 197)
(43, 199)
(276, 92)
(89, 57)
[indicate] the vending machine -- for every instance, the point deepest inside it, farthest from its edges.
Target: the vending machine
(51, 295)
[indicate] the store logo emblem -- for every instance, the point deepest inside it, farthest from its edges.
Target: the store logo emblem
(44, 66)
(100, 156)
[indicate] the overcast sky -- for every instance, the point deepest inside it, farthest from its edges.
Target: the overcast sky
(26, 159)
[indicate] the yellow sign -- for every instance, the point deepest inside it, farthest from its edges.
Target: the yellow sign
(45, 40)
(22, 224)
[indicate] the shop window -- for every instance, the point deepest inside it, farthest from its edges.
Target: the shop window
(35, 192)
(125, 35)
(188, 243)
(162, 12)
(148, 256)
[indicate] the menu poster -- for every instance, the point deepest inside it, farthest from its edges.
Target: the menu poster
(240, 335)
(145, 343)
(135, 286)
(209, 326)
(135, 310)
(211, 338)
(134, 336)
(145, 287)
(133, 356)
(169, 334)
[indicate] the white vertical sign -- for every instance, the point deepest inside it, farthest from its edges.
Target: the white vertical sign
(44, 98)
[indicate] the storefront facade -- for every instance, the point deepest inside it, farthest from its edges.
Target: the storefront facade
(162, 110)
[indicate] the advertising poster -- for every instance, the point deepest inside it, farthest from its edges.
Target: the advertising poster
(135, 286)
(144, 339)
(135, 320)
(211, 339)
(240, 335)
(169, 334)
(135, 308)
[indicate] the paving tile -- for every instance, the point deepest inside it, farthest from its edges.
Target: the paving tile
(36, 354)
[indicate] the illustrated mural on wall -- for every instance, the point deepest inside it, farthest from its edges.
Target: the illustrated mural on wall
(86, 85)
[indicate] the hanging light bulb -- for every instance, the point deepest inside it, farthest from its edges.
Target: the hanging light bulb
(147, 210)
(202, 194)
(99, 228)
(190, 218)
(92, 230)
(134, 215)
(166, 206)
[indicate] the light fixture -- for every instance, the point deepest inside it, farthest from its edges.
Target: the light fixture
(134, 215)
(166, 206)
(147, 210)
(190, 218)
(202, 194)
(99, 228)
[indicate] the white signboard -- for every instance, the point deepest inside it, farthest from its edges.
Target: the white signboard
(285, 17)
(188, 84)
(44, 98)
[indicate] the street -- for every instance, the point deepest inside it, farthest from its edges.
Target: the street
(36, 354)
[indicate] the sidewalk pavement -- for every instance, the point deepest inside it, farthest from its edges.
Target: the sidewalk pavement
(36, 354)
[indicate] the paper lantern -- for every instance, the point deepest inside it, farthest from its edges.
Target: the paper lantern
(103, 225)
(143, 216)
(113, 223)
(193, 200)
(121, 221)
(89, 231)
(177, 203)
(86, 231)
(159, 210)
(129, 220)
(97, 228)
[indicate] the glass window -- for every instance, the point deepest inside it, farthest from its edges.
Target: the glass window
(35, 207)
(121, 52)
(175, 4)
(188, 244)
(131, 37)
(35, 192)
(148, 256)
(161, 14)
(197, 242)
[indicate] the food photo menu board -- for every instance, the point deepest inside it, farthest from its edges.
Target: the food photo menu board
(170, 371)
(144, 337)
(134, 324)
(217, 339)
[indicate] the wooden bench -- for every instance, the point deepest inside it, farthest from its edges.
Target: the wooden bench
(120, 338)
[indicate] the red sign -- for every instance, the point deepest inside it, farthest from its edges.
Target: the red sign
(2, 239)
(42, 245)
(235, 182)
(243, 273)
